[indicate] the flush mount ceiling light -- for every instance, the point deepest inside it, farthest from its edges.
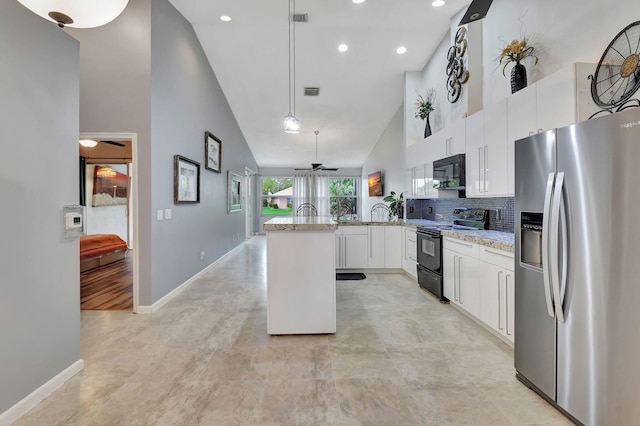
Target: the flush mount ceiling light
(77, 14)
(291, 123)
(88, 143)
(225, 18)
(106, 172)
(358, 1)
(401, 50)
(343, 47)
(438, 3)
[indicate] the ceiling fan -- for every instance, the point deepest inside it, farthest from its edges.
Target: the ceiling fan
(318, 166)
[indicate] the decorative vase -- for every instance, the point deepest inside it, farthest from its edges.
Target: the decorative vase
(427, 127)
(518, 77)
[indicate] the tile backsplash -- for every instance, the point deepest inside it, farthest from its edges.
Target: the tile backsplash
(442, 209)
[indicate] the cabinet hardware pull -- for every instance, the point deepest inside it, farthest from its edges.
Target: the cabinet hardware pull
(460, 283)
(480, 174)
(455, 278)
(458, 242)
(499, 303)
(506, 292)
(486, 167)
(499, 254)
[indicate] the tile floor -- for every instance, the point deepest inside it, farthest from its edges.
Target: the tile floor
(399, 358)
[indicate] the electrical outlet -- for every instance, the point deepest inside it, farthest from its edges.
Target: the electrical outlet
(159, 215)
(167, 214)
(201, 255)
(498, 214)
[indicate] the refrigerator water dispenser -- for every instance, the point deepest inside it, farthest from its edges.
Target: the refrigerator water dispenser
(531, 242)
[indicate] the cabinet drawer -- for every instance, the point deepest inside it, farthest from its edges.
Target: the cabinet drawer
(501, 258)
(460, 246)
(355, 230)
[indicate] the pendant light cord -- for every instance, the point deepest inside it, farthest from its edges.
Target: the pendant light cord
(294, 57)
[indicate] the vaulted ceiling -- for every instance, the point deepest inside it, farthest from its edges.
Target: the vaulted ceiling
(360, 89)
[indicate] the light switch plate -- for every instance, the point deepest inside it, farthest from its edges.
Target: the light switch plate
(159, 215)
(167, 213)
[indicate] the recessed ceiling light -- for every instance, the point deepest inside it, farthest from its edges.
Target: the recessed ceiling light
(343, 47)
(401, 50)
(358, 1)
(225, 18)
(438, 3)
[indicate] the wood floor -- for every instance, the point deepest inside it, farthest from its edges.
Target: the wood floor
(108, 287)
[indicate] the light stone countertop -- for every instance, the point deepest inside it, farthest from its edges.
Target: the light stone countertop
(304, 223)
(495, 239)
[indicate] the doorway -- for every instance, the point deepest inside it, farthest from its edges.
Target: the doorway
(110, 279)
(250, 184)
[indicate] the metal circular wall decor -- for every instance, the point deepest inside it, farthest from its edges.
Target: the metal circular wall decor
(457, 75)
(617, 75)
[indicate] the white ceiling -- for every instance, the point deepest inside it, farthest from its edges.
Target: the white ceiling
(360, 90)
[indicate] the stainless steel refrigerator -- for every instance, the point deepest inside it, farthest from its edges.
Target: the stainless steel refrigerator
(577, 223)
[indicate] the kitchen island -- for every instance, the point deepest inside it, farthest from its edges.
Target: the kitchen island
(301, 275)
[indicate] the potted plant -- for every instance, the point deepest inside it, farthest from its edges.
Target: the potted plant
(424, 107)
(516, 52)
(396, 205)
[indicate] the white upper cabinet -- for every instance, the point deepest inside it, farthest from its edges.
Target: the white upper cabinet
(495, 156)
(475, 143)
(447, 142)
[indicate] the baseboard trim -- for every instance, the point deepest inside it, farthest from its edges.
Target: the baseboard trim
(146, 309)
(31, 400)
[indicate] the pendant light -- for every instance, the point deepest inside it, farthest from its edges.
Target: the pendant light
(291, 123)
(78, 13)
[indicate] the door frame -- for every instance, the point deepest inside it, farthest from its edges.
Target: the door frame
(250, 212)
(133, 195)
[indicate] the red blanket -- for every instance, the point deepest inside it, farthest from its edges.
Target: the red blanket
(97, 245)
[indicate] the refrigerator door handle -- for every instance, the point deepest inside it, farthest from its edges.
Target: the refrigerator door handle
(557, 215)
(545, 245)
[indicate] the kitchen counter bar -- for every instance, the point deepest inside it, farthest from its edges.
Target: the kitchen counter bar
(301, 275)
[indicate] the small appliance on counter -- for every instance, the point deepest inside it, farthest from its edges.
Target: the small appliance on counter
(429, 240)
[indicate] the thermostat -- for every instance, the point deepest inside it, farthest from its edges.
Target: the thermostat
(73, 221)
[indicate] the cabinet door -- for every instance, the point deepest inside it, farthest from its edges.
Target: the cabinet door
(491, 279)
(409, 260)
(449, 275)
(495, 150)
(468, 288)
(509, 304)
(435, 147)
(392, 246)
(475, 154)
(355, 250)
(521, 122)
(376, 246)
(455, 138)
(339, 257)
(556, 100)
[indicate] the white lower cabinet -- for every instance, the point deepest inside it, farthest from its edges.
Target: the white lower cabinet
(498, 290)
(460, 265)
(480, 280)
(352, 247)
(392, 246)
(410, 252)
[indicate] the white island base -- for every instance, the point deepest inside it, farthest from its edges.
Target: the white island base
(301, 276)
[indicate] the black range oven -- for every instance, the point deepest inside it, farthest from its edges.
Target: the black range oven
(430, 261)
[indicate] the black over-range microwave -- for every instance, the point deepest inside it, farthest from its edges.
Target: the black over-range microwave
(449, 173)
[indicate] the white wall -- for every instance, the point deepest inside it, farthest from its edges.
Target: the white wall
(39, 268)
(387, 156)
(105, 219)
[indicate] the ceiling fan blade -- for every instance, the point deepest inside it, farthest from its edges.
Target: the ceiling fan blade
(302, 169)
(331, 169)
(114, 143)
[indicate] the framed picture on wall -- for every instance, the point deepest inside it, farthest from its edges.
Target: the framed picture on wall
(186, 180)
(234, 192)
(212, 152)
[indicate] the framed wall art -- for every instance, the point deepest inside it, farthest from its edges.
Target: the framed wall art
(186, 180)
(212, 152)
(234, 192)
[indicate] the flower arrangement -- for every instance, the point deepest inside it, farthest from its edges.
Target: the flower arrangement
(425, 105)
(516, 51)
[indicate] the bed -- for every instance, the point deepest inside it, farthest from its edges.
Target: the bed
(100, 249)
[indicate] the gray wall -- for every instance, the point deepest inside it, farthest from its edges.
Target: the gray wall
(115, 83)
(39, 279)
(186, 100)
(146, 73)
